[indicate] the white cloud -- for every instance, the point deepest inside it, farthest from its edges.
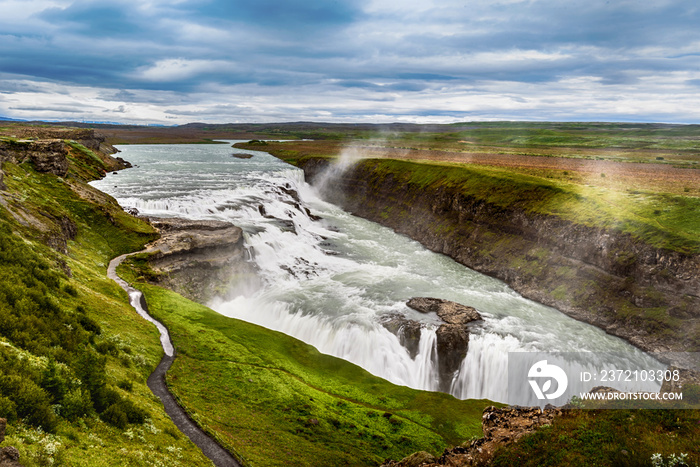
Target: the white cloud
(179, 69)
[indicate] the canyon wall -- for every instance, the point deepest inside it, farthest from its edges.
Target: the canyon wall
(612, 280)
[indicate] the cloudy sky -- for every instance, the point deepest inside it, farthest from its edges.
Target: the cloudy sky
(178, 61)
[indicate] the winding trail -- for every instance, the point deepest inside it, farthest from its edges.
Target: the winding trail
(156, 382)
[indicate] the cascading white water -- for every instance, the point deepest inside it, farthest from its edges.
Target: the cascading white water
(329, 282)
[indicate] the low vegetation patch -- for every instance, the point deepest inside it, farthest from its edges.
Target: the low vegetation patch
(609, 437)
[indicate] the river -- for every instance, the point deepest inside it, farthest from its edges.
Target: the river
(328, 277)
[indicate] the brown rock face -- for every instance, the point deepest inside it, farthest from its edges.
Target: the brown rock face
(452, 337)
(49, 156)
(9, 456)
(416, 459)
(452, 344)
(200, 259)
(407, 330)
(449, 312)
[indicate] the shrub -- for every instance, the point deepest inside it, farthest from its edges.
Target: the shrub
(115, 416)
(54, 382)
(89, 325)
(90, 368)
(105, 397)
(8, 409)
(125, 385)
(32, 402)
(76, 404)
(691, 393)
(107, 348)
(133, 413)
(70, 290)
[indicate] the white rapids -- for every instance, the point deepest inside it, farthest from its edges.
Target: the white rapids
(328, 281)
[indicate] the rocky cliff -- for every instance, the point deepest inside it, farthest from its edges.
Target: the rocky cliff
(74, 155)
(48, 149)
(645, 295)
(199, 259)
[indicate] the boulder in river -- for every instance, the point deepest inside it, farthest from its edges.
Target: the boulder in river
(449, 312)
(452, 336)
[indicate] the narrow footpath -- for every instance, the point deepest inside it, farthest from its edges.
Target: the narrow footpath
(156, 382)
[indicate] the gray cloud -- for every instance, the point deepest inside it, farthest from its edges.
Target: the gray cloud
(180, 59)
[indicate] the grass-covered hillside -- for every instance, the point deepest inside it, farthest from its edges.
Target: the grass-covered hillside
(74, 357)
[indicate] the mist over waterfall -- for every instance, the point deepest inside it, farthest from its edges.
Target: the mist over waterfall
(330, 279)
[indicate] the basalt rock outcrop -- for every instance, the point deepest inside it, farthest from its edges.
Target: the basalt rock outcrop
(601, 276)
(452, 337)
(407, 330)
(48, 156)
(199, 259)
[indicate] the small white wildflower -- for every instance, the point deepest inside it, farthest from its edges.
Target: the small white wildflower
(150, 426)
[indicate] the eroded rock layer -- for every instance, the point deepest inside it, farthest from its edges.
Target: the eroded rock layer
(199, 259)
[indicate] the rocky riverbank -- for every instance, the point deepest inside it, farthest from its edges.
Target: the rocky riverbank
(630, 289)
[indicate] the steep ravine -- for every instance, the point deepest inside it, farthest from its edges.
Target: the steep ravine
(645, 295)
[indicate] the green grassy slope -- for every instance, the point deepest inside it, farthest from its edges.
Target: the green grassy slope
(277, 401)
(74, 356)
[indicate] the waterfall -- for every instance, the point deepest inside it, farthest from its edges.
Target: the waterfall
(329, 278)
